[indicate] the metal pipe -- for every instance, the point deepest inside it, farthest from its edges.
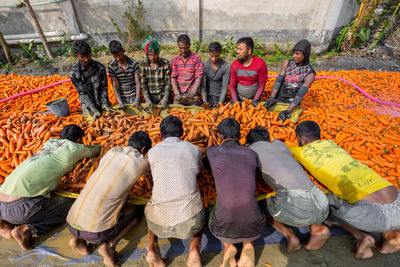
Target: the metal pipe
(36, 4)
(81, 36)
(33, 35)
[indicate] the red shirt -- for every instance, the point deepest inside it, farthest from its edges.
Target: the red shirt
(185, 73)
(257, 72)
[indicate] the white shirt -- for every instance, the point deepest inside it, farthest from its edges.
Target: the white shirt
(174, 166)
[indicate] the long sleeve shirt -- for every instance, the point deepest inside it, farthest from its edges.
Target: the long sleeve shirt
(91, 85)
(41, 173)
(156, 83)
(98, 206)
(215, 82)
(248, 82)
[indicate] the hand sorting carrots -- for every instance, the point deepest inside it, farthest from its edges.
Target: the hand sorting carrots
(365, 129)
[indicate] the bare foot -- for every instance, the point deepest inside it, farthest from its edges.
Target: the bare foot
(154, 258)
(108, 254)
(194, 259)
(247, 257)
(293, 244)
(229, 257)
(363, 247)
(79, 246)
(319, 234)
(23, 236)
(5, 229)
(390, 242)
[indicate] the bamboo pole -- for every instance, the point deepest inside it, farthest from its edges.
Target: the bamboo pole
(38, 29)
(5, 48)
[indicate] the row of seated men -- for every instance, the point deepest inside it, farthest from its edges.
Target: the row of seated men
(359, 200)
(192, 82)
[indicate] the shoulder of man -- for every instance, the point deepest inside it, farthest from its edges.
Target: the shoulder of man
(175, 58)
(99, 65)
(195, 56)
(164, 61)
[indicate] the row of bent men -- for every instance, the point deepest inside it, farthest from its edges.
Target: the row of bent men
(192, 82)
(359, 200)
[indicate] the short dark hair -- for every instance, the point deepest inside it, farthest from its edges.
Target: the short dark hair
(309, 129)
(115, 47)
(72, 132)
(171, 126)
(140, 140)
(215, 47)
(229, 128)
(257, 134)
(183, 38)
(248, 41)
(81, 48)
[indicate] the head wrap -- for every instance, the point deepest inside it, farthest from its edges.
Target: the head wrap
(304, 46)
(150, 45)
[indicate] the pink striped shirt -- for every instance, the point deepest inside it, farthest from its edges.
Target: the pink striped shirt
(185, 73)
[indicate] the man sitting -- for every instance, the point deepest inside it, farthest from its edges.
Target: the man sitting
(187, 73)
(298, 202)
(97, 215)
(248, 73)
(125, 76)
(361, 201)
(216, 76)
(26, 207)
(236, 217)
(175, 209)
(89, 78)
(155, 73)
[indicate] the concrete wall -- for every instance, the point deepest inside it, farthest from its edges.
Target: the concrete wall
(273, 21)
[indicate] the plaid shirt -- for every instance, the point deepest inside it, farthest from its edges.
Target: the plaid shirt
(91, 85)
(126, 79)
(185, 73)
(156, 84)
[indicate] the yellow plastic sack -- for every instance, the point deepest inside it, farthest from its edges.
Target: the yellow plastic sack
(295, 115)
(333, 167)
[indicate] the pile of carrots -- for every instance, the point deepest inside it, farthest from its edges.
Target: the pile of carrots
(369, 131)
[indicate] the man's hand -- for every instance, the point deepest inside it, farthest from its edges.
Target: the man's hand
(270, 102)
(108, 109)
(283, 115)
(164, 103)
(149, 104)
(136, 104)
(177, 99)
(191, 94)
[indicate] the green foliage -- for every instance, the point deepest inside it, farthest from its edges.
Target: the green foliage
(199, 47)
(364, 34)
(98, 50)
(343, 35)
(5, 66)
(229, 48)
(28, 50)
(278, 56)
(259, 50)
(134, 22)
(66, 49)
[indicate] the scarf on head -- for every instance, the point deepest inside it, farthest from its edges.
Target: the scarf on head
(150, 45)
(304, 46)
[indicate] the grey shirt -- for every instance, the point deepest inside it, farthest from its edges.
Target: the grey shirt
(279, 169)
(215, 82)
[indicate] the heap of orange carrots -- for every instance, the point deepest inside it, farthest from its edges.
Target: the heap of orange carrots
(369, 131)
